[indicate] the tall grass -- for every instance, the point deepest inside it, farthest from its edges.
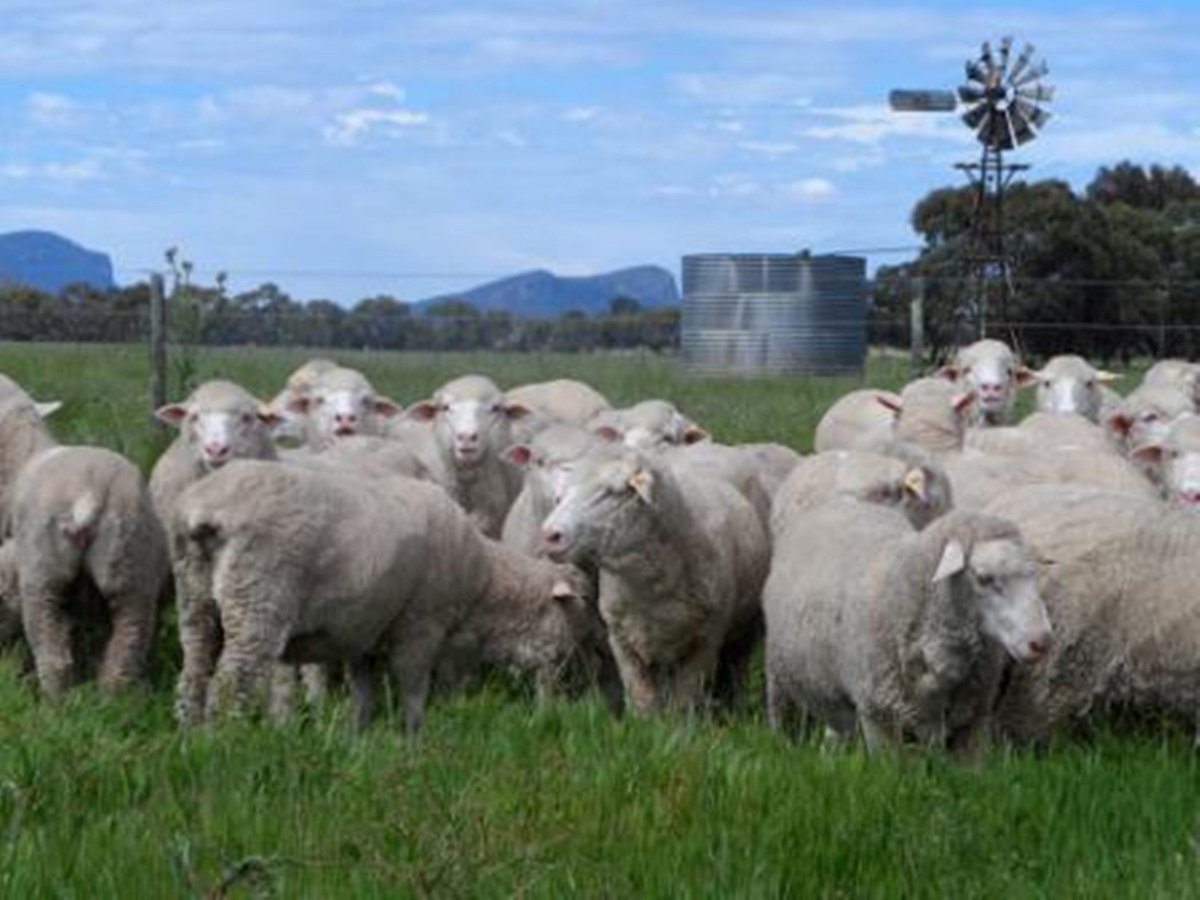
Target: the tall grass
(102, 797)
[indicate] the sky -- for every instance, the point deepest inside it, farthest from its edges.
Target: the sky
(362, 147)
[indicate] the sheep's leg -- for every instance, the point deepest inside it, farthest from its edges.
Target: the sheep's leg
(779, 705)
(255, 636)
(48, 630)
(364, 689)
(411, 661)
(315, 678)
(282, 701)
(636, 678)
(877, 734)
(133, 621)
(200, 635)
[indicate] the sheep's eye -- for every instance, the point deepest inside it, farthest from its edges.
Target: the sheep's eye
(1150, 417)
(366, 402)
(193, 417)
(318, 401)
(247, 418)
(1091, 383)
(498, 408)
(443, 407)
(986, 581)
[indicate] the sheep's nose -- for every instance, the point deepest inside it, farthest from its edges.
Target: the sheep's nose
(1191, 497)
(1040, 646)
(215, 450)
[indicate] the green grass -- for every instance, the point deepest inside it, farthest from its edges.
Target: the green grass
(103, 797)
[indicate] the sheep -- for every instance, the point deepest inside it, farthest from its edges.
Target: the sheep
(857, 419)
(908, 480)
(542, 459)
(339, 403)
(1178, 373)
(929, 413)
(1039, 433)
(290, 425)
(562, 400)
(534, 616)
(282, 564)
(458, 434)
(363, 455)
(85, 544)
(1145, 414)
(901, 634)
(681, 561)
(1070, 384)
(989, 369)
(220, 421)
(1175, 457)
(1118, 576)
(648, 425)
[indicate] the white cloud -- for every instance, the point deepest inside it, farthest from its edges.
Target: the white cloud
(582, 113)
(53, 110)
(350, 127)
(770, 149)
(811, 189)
(871, 124)
(742, 90)
(512, 138)
(60, 172)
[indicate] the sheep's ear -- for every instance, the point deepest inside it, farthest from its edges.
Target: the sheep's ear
(517, 410)
(1120, 423)
(1106, 377)
(949, 372)
(642, 482)
(693, 434)
(172, 413)
(954, 560)
(47, 408)
(424, 411)
(299, 404)
(1147, 453)
(608, 433)
(269, 417)
(888, 403)
(518, 455)
(916, 484)
(962, 400)
(1026, 377)
(386, 407)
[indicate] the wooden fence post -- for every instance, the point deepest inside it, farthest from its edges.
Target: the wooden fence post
(916, 326)
(158, 345)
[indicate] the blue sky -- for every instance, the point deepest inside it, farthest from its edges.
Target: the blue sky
(344, 149)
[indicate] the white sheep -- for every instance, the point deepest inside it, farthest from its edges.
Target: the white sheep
(1178, 373)
(1146, 413)
(1040, 433)
(279, 563)
(219, 422)
(989, 369)
(290, 426)
(542, 459)
(681, 563)
(648, 425)
(458, 434)
(1175, 459)
(561, 401)
(341, 402)
(82, 529)
(856, 420)
(901, 634)
(1070, 384)
(1118, 576)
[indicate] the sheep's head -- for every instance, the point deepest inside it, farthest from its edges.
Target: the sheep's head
(472, 418)
(221, 421)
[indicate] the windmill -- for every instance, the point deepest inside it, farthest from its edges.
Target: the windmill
(1002, 105)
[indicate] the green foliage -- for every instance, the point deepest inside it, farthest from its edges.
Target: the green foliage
(105, 798)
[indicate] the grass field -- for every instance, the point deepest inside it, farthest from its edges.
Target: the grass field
(104, 798)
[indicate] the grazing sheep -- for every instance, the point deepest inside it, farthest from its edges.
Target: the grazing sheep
(542, 459)
(1119, 578)
(989, 369)
(458, 435)
(339, 403)
(220, 421)
(1175, 458)
(856, 420)
(648, 425)
(871, 625)
(916, 486)
(1070, 384)
(1144, 416)
(562, 401)
(681, 560)
(289, 424)
(86, 549)
(281, 564)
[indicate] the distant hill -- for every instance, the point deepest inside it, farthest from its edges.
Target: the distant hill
(544, 295)
(50, 262)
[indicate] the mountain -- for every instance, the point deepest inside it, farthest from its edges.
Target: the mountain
(50, 262)
(544, 295)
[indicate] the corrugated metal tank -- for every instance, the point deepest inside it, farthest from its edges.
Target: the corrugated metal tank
(774, 313)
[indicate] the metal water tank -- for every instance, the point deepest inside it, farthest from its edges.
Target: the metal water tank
(774, 314)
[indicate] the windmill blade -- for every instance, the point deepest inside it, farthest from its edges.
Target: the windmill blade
(976, 114)
(975, 72)
(1022, 61)
(986, 60)
(1010, 130)
(1022, 131)
(1034, 115)
(1039, 93)
(1005, 47)
(970, 93)
(1038, 71)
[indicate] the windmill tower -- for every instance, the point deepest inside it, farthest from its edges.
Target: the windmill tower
(1002, 107)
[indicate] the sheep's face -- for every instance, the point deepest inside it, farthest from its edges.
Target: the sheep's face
(221, 422)
(1175, 460)
(1002, 576)
(472, 418)
(649, 426)
(601, 507)
(342, 403)
(988, 369)
(566, 620)
(543, 458)
(1068, 384)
